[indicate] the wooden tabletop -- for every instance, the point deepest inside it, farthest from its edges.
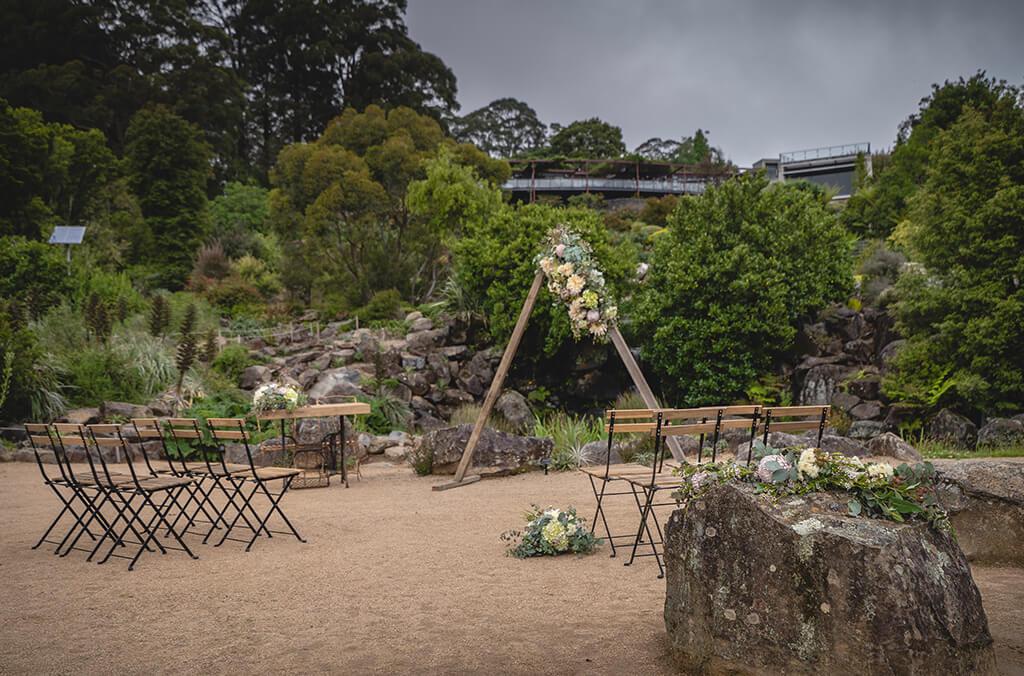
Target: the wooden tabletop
(317, 411)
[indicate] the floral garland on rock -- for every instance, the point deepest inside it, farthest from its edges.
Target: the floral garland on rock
(573, 277)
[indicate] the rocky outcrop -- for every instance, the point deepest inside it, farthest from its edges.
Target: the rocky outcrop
(953, 429)
(514, 408)
(892, 446)
(1001, 432)
(797, 586)
(985, 500)
(497, 453)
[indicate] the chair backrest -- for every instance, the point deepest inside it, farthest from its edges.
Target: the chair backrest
(225, 430)
(104, 436)
(779, 419)
(149, 429)
(41, 438)
(711, 420)
(73, 434)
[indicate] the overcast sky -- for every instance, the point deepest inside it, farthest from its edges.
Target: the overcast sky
(764, 77)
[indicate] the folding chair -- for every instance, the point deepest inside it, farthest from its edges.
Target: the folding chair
(40, 436)
(233, 430)
(778, 419)
(133, 497)
(713, 420)
(621, 421)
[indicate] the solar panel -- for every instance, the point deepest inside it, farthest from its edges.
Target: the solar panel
(67, 234)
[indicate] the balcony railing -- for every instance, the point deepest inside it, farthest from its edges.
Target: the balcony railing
(826, 153)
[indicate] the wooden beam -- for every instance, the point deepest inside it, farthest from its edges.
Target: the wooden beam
(641, 385)
(499, 379)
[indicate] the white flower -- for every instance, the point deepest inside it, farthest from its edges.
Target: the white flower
(547, 265)
(600, 329)
(808, 464)
(880, 470)
(554, 532)
(565, 269)
(575, 284)
(700, 479)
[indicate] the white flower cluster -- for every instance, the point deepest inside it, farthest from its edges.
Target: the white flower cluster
(557, 533)
(574, 278)
(812, 461)
(272, 397)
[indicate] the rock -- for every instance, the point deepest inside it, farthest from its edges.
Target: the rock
(848, 324)
(342, 381)
(453, 397)
(796, 586)
(513, 408)
(396, 453)
(898, 416)
(985, 501)
(422, 342)
(953, 429)
(454, 351)
(378, 444)
(413, 361)
(112, 411)
(82, 416)
(890, 445)
(307, 378)
(866, 429)
(832, 443)
(476, 374)
(497, 453)
(861, 350)
(413, 316)
(866, 387)
(254, 376)
(416, 381)
(888, 353)
(1019, 417)
(844, 401)
(820, 383)
(321, 363)
(426, 422)
(421, 324)
(866, 410)
(399, 391)
(1001, 432)
(596, 453)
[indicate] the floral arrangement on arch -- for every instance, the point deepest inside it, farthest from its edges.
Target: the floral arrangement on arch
(550, 532)
(275, 397)
(876, 490)
(574, 278)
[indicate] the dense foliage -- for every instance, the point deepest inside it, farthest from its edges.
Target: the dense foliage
(736, 271)
(590, 138)
(962, 307)
(503, 128)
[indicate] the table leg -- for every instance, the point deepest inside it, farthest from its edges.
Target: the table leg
(282, 440)
(344, 465)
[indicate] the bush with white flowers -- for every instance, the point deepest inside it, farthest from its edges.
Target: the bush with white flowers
(574, 278)
(275, 397)
(875, 489)
(550, 532)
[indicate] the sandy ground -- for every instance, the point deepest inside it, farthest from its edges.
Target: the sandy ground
(395, 578)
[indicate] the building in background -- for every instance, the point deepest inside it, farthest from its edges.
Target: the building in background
(833, 167)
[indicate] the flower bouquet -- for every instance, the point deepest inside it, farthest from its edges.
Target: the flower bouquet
(550, 532)
(876, 489)
(275, 397)
(574, 278)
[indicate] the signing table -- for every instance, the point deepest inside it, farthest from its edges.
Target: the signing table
(323, 411)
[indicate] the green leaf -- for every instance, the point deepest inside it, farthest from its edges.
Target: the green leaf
(854, 507)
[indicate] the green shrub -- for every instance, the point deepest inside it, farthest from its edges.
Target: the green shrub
(235, 296)
(733, 276)
(387, 414)
(385, 305)
(569, 434)
(232, 361)
(32, 273)
(99, 373)
(113, 288)
(467, 415)
(31, 378)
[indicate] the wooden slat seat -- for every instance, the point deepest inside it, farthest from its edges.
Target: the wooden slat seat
(271, 473)
(218, 470)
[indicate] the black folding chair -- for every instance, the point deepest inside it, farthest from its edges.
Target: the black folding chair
(226, 430)
(134, 498)
(713, 420)
(781, 419)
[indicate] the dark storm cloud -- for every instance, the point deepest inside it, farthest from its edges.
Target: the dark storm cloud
(764, 77)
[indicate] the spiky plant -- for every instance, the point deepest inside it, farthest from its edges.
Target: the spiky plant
(122, 309)
(97, 317)
(210, 346)
(188, 347)
(159, 316)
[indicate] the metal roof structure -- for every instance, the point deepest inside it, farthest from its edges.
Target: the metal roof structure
(67, 234)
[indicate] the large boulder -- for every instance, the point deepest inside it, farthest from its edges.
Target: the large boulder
(254, 376)
(82, 416)
(985, 501)
(797, 586)
(114, 411)
(514, 408)
(1001, 432)
(833, 443)
(892, 446)
(342, 381)
(866, 429)
(497, 453)
(820, 381)
(952, 429)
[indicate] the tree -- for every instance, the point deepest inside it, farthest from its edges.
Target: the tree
(237, 217)
(503, 128)
(881, 203)
(340, 203)
(592, 138)
(739, 267)
(32, 274)
(168, 167)
(961, 307)
(658, 150)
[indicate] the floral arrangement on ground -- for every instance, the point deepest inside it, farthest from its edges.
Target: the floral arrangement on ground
(550, 532)
(876, 489)
(575, 279)
(275, 397)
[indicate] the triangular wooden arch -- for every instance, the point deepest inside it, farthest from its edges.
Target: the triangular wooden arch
(621, 348)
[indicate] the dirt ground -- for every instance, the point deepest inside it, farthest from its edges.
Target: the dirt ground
(395, 578)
